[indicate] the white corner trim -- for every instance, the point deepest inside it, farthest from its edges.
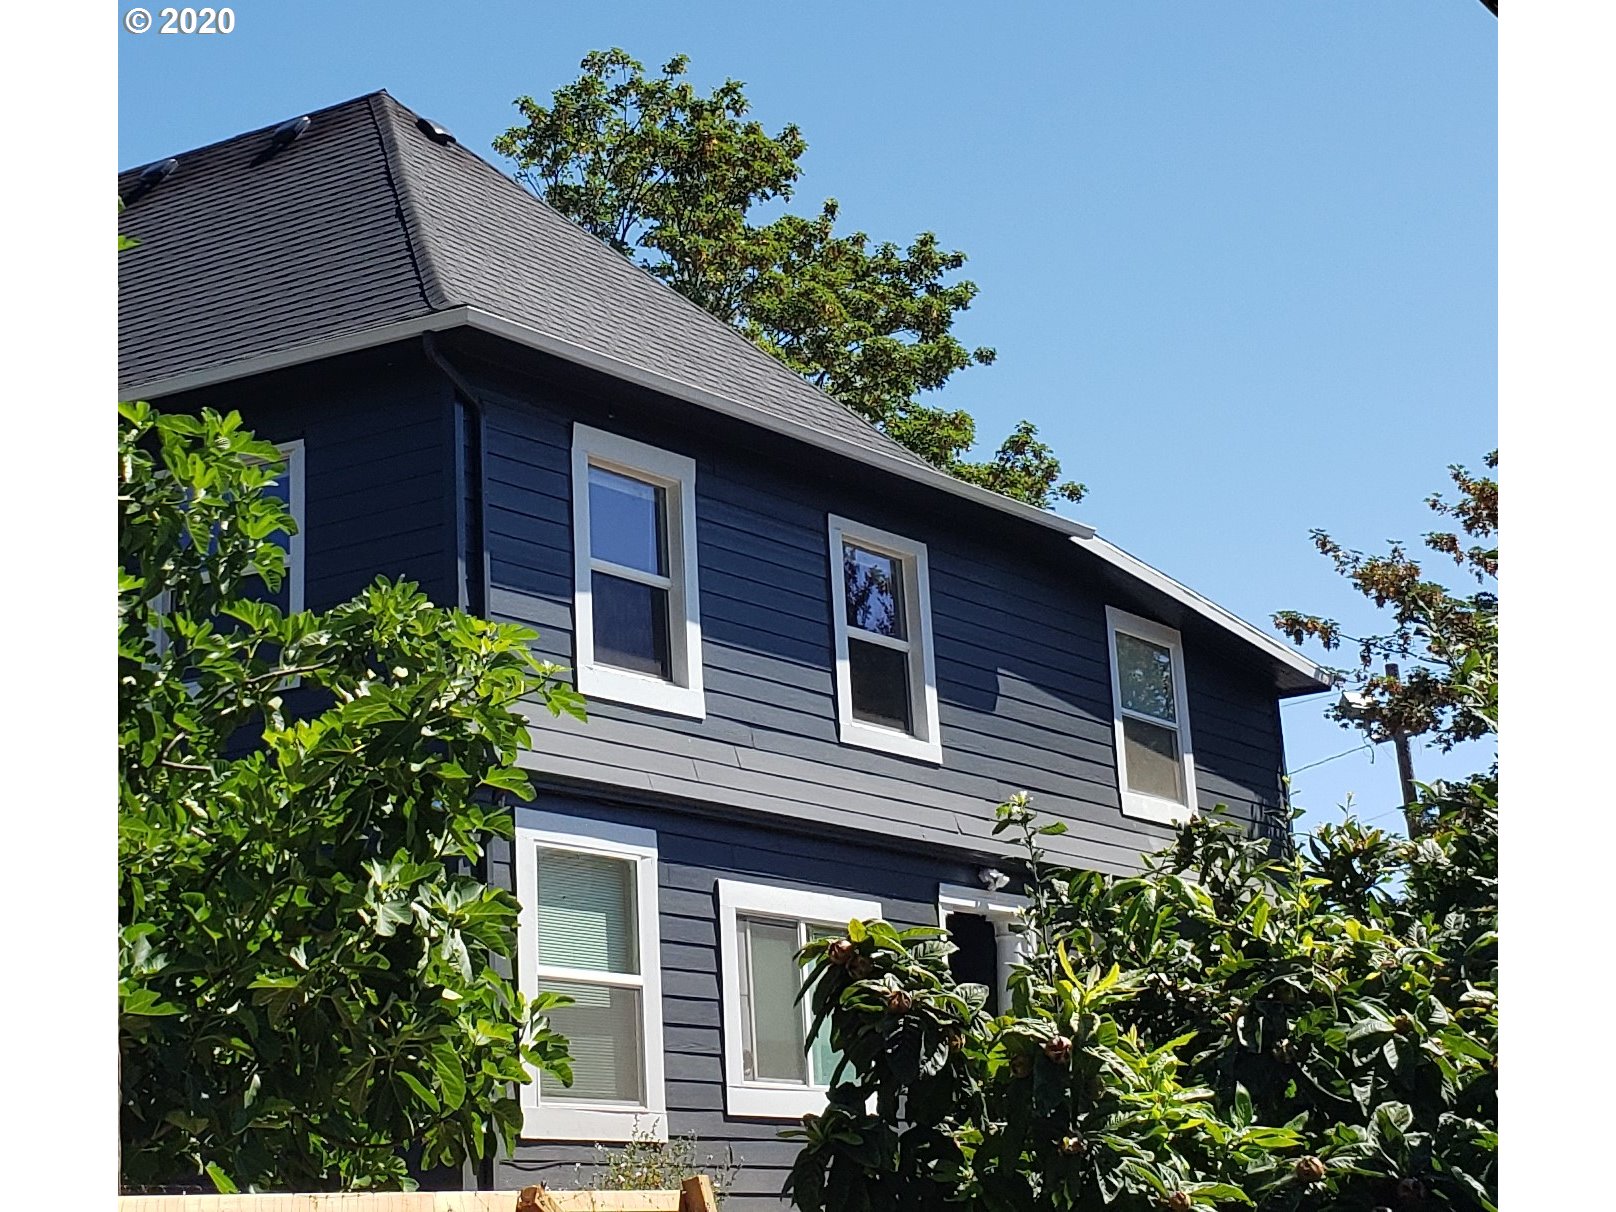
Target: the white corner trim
(676, 474)
(566, 1119)
(770, 1100)
(1135, 803)
(925, 742)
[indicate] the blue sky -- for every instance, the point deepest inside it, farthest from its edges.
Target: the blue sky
(1238, 260)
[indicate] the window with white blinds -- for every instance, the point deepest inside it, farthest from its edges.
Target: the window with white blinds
(771, 1066)
(588, 893)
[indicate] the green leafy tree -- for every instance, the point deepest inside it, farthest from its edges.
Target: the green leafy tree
(1310, 1031)
(1445, 644)
(670, 178)
(311, 986)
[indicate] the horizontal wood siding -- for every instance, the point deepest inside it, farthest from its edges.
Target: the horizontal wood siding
(377, 455)
(1021, 655)
(694, 852)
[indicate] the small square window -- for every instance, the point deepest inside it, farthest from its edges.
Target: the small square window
(886, 686)
(636, 607)
(1155, 763)
(771, 1067)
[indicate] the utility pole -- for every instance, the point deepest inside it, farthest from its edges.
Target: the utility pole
(1405, 767)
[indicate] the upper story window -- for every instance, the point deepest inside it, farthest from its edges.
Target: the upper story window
(588, 929)
(636, 612)
(1155, 760)
(886, 682)
(770, 1067)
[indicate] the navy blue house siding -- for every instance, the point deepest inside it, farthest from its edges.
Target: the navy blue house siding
(1021, 649)
(694, 852)
(379, 496)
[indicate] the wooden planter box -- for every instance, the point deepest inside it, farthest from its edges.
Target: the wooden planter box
(696, 1195)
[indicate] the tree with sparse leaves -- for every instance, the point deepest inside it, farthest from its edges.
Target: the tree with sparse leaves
(670, 177)
(311, 990)
(1445, 643)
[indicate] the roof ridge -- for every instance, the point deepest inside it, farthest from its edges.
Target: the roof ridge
(241, 136)
(411, 214)
(730, 332)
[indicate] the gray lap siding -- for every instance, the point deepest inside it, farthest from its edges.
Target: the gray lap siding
(693, 853)
(1020, 644)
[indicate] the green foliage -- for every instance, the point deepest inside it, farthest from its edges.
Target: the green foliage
(310, 989)
(1445, 643)
(647, 1164)
(671, 177)
(1312, 1031)
(1227, 1029)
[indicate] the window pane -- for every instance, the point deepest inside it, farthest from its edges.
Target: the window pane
(586, 912)
(880, 684)
(874, 591)
(627, 521)
(602, 1027)
(1145, 674)
(823, 1059)
(771, 1021)
(631, 625)
(1152, 759)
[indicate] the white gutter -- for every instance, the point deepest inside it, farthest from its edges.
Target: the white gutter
(471, 317)
(1185, 596)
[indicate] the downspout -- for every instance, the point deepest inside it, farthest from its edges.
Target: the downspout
(472, 558)
(475, 579)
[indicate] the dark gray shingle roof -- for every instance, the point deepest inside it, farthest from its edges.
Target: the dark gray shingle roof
(364, 220)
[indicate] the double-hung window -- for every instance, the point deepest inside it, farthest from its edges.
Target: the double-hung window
(588, 930)
(886, 681)
(635, 602)
(1155, 760)
(770, 1068)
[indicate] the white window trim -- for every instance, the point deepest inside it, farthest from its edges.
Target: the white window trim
(1137, 803)
(292, 452)
(770, 1100)
(677, 475)
(574, 1121)
(925, 742)
(1002, 910)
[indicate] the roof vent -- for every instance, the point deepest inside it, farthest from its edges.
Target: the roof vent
(287, 131)
(155, 174)
(433, 131)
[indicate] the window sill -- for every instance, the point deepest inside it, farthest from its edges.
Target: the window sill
(638, 690)
(1154, 808)
(890, 740)
(592, 1124)
(774, 1102)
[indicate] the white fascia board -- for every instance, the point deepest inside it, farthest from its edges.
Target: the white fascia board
(1270, 646)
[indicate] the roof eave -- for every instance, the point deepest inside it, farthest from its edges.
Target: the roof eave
(1298, 674)
(1305, 677)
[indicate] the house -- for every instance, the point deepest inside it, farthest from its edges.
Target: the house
(814, 663)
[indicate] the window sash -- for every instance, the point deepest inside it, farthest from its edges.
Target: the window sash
(560, 1117)
(921, 738)
(1151, 805)
(806, 930)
